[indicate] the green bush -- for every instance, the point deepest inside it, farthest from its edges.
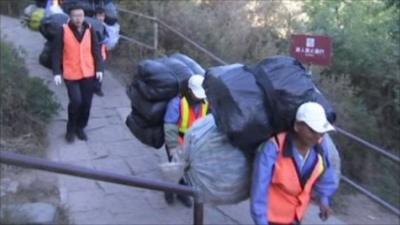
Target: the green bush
(27, 105)
(371, 170)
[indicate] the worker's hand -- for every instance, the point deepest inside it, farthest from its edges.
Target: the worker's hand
(99, 76)
(324, 211)
(176, 153)
(57, 79)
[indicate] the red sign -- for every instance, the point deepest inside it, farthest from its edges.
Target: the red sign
(311, 49)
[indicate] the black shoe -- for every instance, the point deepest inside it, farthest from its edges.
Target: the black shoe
(169, 197)
(99, 93)
(81, 135)
(185, 200)
(69, 137)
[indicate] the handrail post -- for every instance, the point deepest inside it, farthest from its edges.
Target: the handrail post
(155, 41)
(198, 211)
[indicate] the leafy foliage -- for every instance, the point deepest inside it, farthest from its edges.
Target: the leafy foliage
(27, 105)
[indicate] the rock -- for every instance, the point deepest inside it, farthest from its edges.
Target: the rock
(29, 213)
(8, 186)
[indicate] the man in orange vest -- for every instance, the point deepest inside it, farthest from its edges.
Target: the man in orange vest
(76, 59)
(182, 112)
(290, 167)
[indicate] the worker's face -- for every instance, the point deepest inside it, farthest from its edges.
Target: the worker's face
(101, 16)
(77, 17)
(307, 135)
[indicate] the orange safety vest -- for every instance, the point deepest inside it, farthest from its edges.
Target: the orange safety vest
(188, 116)
(288, 198)
(78, 60)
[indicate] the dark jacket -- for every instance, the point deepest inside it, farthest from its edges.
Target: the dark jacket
(58, 46)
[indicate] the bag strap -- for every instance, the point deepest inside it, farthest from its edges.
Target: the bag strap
(269, 94)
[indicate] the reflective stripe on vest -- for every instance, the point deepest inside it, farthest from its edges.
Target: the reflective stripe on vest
(78, 60)
(288, 198)
(188, 115)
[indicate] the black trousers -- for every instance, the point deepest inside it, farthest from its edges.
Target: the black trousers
(80, 93)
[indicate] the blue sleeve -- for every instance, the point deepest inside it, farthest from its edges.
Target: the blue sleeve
(328, 183)
(262, 175)
(172, 114)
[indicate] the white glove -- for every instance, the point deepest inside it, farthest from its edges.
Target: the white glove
(99, 76)
(57, 79)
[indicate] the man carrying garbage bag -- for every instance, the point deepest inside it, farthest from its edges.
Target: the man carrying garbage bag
(182, 112)
(290, 167)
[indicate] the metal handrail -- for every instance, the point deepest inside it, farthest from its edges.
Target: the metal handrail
(138, 14)
(157, 21)
(370, 195)
(77, 171)
(134, 41)
(377, 149)
(187, 39)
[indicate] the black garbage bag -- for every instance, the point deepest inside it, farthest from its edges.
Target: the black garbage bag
(181, 71)
(45, 56)
(250, 103)
(193, 65)
(237, 105)
(286, 85)
(152, 136)
(152, 111)
(52, 24)
(156, 81)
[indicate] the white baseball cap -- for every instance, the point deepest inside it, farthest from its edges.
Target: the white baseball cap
(313, 114)
(196, 85)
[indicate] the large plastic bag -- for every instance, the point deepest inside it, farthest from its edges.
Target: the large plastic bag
(111, 10)
(174, 170)
(218, 170)
(155, 84)
(286, 85)
(152, 136)
(156, 81)
(238, 106)
(113, 35)
(253, 102)
(52, 24)
(36, 18)
(152, 111)
(193, 65)
(52, 8)
(181, 71)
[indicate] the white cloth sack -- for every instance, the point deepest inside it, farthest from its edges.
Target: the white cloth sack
(218, 170)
